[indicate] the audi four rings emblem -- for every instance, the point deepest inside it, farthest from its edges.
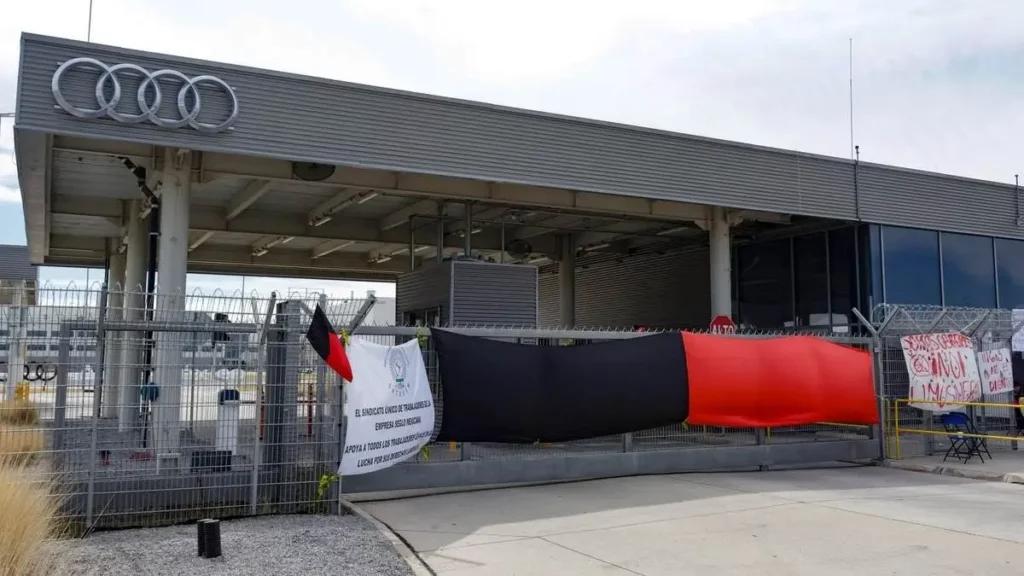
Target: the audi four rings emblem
(149, 96)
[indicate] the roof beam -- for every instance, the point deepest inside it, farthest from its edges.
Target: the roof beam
(199, 239)
(74, 249)
(399, 217)
(534, 229)
(248, 196)
(216, 165)
(325, 212)
(263, 245)
(209, 219)
(329, 247)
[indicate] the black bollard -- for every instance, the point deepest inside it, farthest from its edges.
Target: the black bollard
(201, 537)
(211, 539)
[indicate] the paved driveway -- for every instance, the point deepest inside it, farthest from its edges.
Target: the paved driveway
(851, 520)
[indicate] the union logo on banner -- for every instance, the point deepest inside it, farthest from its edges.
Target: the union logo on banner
(398, 365)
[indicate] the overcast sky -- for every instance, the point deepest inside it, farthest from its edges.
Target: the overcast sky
(937, 85)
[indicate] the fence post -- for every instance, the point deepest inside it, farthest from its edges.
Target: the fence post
(97, 386)
(627, 442)
(878, 375)
(60, 404)
(261, 355)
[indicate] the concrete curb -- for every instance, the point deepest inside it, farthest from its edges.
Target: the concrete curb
(418, 566)
(943, 470)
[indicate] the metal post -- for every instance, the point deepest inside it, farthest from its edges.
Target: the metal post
(60, 403)
(412, 244)
(100, 345)
(721, 266)
(467, 240)
(879, 432)
(257, 448)
(567, 282)
(501, 253)
(321, 381)
(440, 232)
(192, 385)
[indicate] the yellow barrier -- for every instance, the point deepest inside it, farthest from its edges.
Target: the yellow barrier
(21, 390)
(899, 430)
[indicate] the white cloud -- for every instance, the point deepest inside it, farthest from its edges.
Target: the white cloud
(10, 195)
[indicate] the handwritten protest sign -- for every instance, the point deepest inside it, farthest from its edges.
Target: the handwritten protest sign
(943, 371)
(996, 371)
(1017, 342)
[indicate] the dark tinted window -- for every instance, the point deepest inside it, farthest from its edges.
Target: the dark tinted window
(36, 333)
(968, 271)
(765, 284)
(36, 347)
(874, 246)
(842, 255)
(1010, 259)
(911, 266)
(811, 275)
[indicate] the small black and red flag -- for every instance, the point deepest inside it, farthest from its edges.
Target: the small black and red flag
(328, 344)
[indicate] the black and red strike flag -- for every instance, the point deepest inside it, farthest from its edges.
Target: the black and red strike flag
(328, 344)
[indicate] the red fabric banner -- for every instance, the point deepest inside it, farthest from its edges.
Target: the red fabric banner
(785, 381)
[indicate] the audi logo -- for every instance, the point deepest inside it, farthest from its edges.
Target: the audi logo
(108, 92)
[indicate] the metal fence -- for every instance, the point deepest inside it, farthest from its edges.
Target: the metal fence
(912, 432)
(143, 417)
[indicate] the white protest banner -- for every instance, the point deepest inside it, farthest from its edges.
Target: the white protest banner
(943, 370)
(1017, 340)
(996, 371)
(390, 410)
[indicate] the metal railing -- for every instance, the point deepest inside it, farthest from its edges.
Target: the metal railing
(222, 409)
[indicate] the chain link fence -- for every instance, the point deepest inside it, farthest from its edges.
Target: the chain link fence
(216, 406)
(912, 432)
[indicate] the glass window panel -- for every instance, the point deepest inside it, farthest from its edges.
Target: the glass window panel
(873, 254)
(811, 275)
(842, 257)
(968, 270)
(765, 284)
(911, 266)
(1010, 259)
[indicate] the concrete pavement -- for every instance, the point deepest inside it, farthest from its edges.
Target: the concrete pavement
(836, 521)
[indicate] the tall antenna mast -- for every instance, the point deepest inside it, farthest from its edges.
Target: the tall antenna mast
(851, 100)
(88, 31)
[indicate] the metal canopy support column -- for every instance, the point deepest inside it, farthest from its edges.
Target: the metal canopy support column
(170, 300)
(136, 257)
(567, 282)
(721, 263)
(111, 383)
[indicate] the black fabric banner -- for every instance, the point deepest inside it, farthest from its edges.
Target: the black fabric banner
(496, 391)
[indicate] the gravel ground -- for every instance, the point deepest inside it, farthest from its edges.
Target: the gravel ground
(269, 545)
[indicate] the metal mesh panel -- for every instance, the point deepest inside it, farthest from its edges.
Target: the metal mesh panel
(912, 432)
(153, 409)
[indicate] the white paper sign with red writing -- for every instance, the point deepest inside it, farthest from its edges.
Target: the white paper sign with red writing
(943, 371)
(996, 371)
